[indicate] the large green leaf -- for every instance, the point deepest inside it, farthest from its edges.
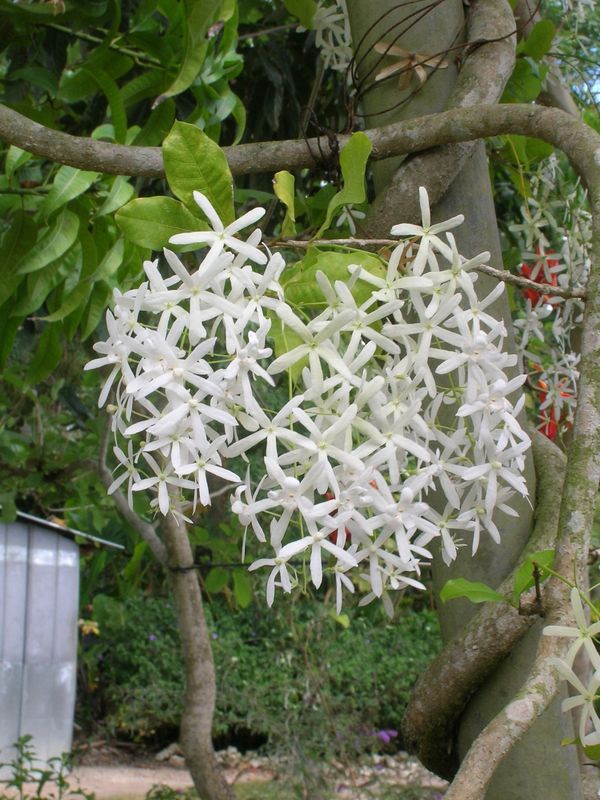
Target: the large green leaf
(198, 17)
(283, 186)
(53, 243)
(193, 162)
(474, 591)
(151, 221)
(68, 183)
(353, 163)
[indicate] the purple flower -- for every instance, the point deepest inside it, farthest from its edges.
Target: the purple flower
(386, 736)
(214, 635)
(151, 637)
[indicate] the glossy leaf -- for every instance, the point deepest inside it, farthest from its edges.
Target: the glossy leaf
(53, 243)
(284, 186)
(524, 85)
(193, 162)
(474, 591)
(115, 101)
(151, 221)
(353, 163)
(68, 183)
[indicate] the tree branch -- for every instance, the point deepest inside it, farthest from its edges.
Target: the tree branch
(573, 137)
(466, 662)
(144, 529)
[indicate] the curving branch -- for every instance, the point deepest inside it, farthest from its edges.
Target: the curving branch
(573, 137)
(466, 662)
(144, 529)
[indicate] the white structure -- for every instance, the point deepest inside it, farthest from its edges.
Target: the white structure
(39, 594)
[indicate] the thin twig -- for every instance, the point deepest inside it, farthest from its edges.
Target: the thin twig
(144, 529)
(498, 274)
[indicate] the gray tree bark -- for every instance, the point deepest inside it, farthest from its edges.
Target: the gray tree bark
(539, 767)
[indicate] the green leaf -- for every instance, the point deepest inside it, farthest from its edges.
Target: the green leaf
(39, 286)
(16, 242)
(115, 102)
(193, 162)
(242, 588)
(94, 312)
(524, 575)
(474, 591)
(151, 221)
(216, 580)
(157, 126)
(53, 243)
(523, 86)
(198, 17)
(47, 355)
(111, 261)
(304, 10)
(539, 41)
(592, 751)
(284, 188)
(120, 193)
(300, 282)
(353, 162)
(15, 158)
(68, 183)
(341, 619)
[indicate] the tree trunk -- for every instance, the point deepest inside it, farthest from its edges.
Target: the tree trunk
(540, 767)
(200, 685)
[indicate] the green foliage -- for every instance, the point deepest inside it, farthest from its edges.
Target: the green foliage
(31, 780)
(353, 164)
(525, 575)
(151, 221)
(193, 162)
(475, 591)
(283, 186)
(294, 675)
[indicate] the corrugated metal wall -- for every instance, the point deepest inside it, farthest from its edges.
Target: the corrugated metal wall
(39, 586)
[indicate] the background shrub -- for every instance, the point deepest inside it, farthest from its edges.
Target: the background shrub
(295, 677)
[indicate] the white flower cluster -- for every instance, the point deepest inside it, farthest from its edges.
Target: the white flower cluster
(546, 323)
(332, 34)
(364, 434)
(584, 697)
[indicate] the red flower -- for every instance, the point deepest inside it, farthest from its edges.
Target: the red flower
(538, 273)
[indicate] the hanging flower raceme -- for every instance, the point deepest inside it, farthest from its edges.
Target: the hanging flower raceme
(349, 417)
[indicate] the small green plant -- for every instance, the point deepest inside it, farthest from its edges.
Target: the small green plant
(48, 779)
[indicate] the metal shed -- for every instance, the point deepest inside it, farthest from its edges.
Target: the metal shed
(39, 598)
